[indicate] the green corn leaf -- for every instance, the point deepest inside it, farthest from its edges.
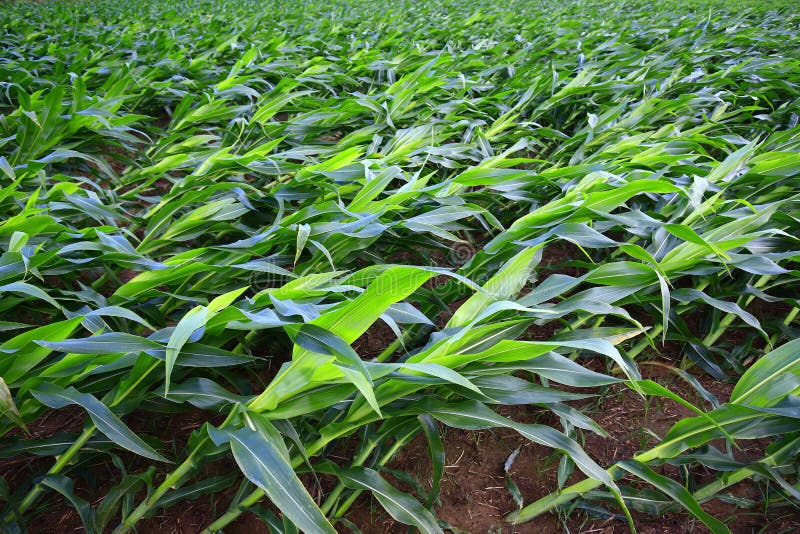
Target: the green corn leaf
(688, 295)
(261, 461)
(115, 498)
(505, 284)
(436, 450)
(348, 322)
(113, 342)
(12, 367)
(774, 375)
(401, 506)
(203, 393)
(687, 234)
(103, 418)
(676, 492)
(192, 321)
(64, 486)
(208, 486)
(30, 290)
(316, 339)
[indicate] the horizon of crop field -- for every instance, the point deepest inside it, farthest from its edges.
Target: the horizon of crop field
(280, 266)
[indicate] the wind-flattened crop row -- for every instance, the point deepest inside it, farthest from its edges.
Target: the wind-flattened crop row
(209, 205)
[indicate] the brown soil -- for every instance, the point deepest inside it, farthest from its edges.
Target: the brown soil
(378, 337)
(473, 495)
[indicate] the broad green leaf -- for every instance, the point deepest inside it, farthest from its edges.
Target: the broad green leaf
(774, 375)
(22, 353)
(192, 321)
(401, 506)
(203, 393)
(348, 321)
(103, 418)
(262, 463)
(506, 283)
(437, 453)
(64, 486)
(113, 342)
(676, 492)
(316, 339)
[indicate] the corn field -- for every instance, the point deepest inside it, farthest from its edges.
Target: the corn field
(254, 251)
